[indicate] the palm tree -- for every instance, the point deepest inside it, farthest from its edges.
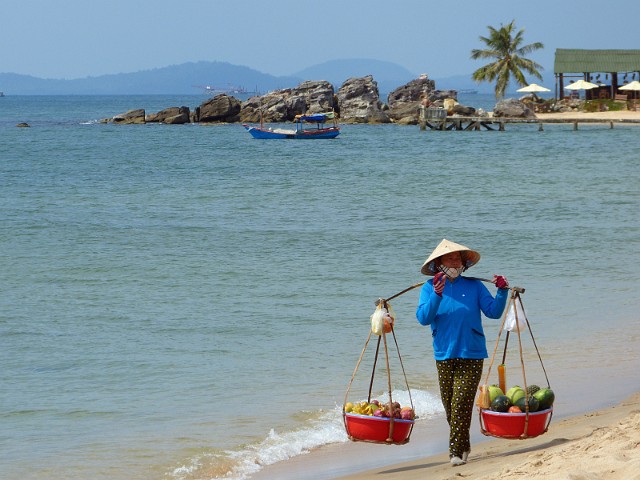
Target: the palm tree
(509, 58)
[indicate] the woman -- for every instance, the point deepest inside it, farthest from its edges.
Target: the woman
(452, 306)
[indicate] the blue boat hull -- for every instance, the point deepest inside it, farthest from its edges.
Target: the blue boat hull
(263, 133)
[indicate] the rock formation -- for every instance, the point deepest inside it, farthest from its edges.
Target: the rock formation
(359, 101)
(512, 108)
(404, 102)
(130, 117)
(221, 108)
(171, 115)
(283, 105)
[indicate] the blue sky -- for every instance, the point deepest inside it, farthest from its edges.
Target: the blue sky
(81, 38)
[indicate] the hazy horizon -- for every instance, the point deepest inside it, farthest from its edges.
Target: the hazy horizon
(77, 39)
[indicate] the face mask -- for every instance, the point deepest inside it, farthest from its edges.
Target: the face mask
(451, 272)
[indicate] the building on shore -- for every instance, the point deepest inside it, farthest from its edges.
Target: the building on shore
(608, 69)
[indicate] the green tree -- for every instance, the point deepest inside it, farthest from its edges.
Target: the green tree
(509, 55)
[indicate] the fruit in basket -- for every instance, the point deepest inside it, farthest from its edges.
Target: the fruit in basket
(407, 413)
(546, 397)
(514, 409)
(388, 323)
(494, 391)
(531, 389)
(363, 408)
(376, 409)
(515, 393)
(500, 404)
(534, 404)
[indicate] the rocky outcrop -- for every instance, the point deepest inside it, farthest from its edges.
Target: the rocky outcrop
(131, 117)
(463, 110)
(221, 108)
(283, 105)
(404, 102)
(171, 115)
(359, 101)
(512, 108)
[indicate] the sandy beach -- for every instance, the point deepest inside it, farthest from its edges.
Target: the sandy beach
(604, 444)
(622, 115)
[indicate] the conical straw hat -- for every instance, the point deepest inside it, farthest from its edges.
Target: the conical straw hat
(469, 257)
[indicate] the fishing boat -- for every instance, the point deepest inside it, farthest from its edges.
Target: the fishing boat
(302, 130)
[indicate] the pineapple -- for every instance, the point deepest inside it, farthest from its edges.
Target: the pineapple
(531, 389)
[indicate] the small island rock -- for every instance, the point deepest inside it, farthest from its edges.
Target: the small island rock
(171, 115)
(130, 117)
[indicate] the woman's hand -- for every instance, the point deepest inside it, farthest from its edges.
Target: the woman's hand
(438, 283)
(500, 281)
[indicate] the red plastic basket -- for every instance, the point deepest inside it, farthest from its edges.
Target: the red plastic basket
(376, 429)
(514, 425)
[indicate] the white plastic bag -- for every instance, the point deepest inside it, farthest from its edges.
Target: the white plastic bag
(382, 319)
(377, 320)
(513, 324)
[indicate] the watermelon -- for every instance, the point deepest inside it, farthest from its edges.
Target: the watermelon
(501, 403)
(534, 404)
(546, 397)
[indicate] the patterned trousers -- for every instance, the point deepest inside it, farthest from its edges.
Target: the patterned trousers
(459, 379)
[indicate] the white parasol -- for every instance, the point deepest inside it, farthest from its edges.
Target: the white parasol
(533, 88)
(633, 86)
(581, 85)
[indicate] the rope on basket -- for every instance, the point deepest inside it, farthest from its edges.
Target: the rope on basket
(381, 338)
(515, 297)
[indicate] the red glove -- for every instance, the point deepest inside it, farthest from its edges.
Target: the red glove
(438, 283)
(500, 281)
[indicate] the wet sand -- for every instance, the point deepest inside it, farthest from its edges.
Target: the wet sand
(603, 445)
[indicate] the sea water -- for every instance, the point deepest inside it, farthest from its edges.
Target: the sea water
(186, 302)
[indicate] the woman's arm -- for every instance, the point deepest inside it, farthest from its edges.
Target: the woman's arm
(493, 307)
(428, 304)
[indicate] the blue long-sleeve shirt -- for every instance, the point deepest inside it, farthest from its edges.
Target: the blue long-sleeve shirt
(455, 318)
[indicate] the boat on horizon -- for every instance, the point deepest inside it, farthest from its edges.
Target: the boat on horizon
(320, 131)
(468, 91)
(229, 90)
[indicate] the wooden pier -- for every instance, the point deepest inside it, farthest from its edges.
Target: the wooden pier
(437, 119)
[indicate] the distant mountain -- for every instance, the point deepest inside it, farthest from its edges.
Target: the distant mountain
(203, 77)
(186, 78)
(388, 75)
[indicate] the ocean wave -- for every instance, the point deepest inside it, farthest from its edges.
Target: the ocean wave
(319, 429)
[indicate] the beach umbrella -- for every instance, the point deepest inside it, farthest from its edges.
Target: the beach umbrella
(533, 88)
(581, 85)
(634, 87)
